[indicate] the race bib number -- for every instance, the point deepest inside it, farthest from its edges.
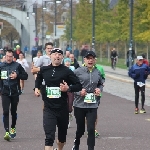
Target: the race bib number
(53, 92)
(140, 84)
(90, 98)
(4, 75)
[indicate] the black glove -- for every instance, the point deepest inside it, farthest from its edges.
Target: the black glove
(137, 75)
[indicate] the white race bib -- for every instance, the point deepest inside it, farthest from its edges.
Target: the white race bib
(4, 75)
(140, 84)
(53, 92)
(90, 98)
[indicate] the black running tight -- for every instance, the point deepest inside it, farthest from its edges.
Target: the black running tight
(6, 102)
(137, 90)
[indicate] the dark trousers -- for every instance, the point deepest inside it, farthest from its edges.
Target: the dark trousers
(6, 102)
(51, 118)
(70, 101)
(137, 90)
(90, 114)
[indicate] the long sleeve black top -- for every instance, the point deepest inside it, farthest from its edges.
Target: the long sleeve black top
(53, 76)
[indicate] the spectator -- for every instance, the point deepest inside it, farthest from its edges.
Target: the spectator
(76, 53)
(34, 52)
(73, 61)
(68, 48)
(145, 61)
(1, 54)
(25, 50)
(83, 52)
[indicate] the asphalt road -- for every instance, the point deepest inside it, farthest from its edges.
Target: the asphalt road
(119, 127)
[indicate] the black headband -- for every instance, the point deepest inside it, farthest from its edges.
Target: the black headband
(57, 50)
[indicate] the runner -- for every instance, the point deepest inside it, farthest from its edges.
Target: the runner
(17, 52)
(139, 73)
(39, 54)
(25, 65)
(11, 73)
(67, 63)
(58, 80)
(86, 102)
(101, 69)
(43, 61)
(74, 61)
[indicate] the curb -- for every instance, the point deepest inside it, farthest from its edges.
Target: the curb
(123, 80)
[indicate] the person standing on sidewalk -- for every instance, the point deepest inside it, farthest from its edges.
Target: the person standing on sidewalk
(86, 102)
(59, 80)
(11, 74)
(139, 73)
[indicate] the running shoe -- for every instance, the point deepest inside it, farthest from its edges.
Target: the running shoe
(136, 111)
(7, 136)
(96, 133)
(142, 111)
(13, 133)
(70, 117)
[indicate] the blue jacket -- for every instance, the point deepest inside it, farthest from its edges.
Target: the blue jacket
(139, 73)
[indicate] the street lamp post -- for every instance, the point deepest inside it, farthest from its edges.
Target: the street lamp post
(93, 26)
(71, 24)
(55, 21)
(131, 35)
(56, 2)
(36, 31)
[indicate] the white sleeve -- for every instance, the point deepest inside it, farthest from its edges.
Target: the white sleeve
(39, 62)
(26, 63)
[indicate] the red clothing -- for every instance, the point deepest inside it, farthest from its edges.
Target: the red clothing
(145, 61)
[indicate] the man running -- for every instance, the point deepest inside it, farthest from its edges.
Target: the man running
(139, 73)
(101, 69)
(11, 74)
(74, 61)
(86, 101)
(43, 61)
(59, 80)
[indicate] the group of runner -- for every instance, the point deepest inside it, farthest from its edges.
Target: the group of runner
(65, 86)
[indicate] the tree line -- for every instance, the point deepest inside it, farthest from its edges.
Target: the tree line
(111, 25)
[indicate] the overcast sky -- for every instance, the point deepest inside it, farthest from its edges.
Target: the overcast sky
(39, 1)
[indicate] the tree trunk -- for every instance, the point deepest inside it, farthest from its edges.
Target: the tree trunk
(135, 48)
(108, 50)
(147, 50)
(100, 52)
(125, 54)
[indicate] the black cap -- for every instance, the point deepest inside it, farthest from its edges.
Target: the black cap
(88, 53)
(58, 50)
